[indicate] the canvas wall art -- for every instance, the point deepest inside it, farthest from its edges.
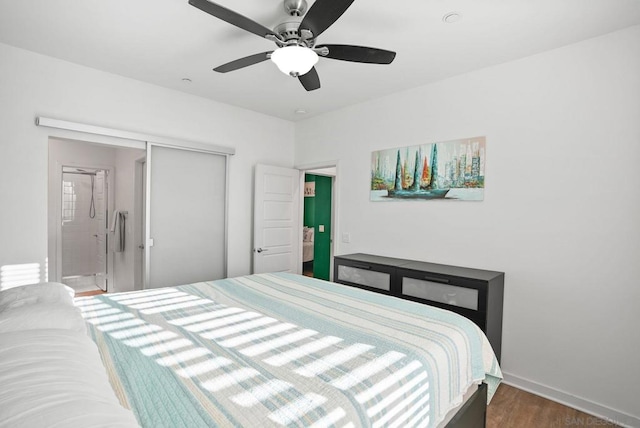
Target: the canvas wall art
(451, 170)
(309, 189)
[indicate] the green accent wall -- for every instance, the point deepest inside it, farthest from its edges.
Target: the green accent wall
(317, 211)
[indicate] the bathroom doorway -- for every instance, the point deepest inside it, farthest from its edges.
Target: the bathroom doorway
(92, 215)
(84, 240)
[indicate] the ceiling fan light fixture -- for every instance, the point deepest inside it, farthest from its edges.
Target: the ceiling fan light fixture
(294, 60)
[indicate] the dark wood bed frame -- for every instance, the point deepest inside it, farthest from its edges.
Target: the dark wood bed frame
(473, 413)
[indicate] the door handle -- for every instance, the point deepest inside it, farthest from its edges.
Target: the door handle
(360, 266)
(440, 280)
(259, 250)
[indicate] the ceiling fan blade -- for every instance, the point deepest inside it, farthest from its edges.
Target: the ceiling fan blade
(232, 17)
(310, 81)
(243, 62)
(359, 54)
(322, 14)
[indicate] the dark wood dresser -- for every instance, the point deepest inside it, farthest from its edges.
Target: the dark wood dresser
(474, 293)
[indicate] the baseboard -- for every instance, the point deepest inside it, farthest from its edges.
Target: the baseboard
(570, 400)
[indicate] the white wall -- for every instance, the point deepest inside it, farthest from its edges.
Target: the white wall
(560, 214)
(34, 85)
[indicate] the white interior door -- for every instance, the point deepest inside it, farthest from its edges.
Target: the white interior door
(276, 220)
(186, 216)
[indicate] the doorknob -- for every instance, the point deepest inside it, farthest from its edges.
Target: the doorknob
(141, 246)
(259, 250)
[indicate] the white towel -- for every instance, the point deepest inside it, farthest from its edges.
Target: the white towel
(118, 228)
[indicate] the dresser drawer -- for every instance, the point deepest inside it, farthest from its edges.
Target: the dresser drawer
(441, 292)
(364, 275)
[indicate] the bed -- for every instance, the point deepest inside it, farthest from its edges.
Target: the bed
(286, 350)
(307, 244)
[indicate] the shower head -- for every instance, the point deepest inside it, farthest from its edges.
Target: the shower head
(82, 171)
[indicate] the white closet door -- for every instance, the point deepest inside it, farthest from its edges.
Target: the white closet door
(187, 208)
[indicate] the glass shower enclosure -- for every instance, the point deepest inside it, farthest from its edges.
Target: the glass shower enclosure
(84, 228)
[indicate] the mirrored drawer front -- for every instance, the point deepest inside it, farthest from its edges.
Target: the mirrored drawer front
(369, 278)
(443, 293)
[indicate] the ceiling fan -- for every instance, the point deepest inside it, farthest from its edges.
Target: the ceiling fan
(297, 52)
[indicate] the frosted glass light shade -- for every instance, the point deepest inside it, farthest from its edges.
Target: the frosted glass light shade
(294, 60)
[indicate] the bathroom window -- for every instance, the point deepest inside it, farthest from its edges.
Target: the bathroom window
(68, 201)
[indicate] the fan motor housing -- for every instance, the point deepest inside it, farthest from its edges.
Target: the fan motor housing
(288, 30)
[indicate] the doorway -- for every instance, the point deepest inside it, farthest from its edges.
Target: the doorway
(85, 258)
(90, 185)
(318, 218)
(278, 238)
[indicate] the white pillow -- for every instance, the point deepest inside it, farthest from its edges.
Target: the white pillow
(56, 378)
(44, 292)
(42, 316)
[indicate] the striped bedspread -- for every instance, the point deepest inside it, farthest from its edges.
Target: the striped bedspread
(285, 350)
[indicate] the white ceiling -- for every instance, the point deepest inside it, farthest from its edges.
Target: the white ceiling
(164, 41)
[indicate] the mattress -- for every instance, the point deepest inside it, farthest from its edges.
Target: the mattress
(285, 350)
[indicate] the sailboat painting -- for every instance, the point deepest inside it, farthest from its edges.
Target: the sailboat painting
(452, 170)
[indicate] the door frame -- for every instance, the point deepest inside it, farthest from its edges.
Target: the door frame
(56, 275)
(139, 198)
(335, 243)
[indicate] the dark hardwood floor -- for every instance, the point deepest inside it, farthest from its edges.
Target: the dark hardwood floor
(512, 407)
